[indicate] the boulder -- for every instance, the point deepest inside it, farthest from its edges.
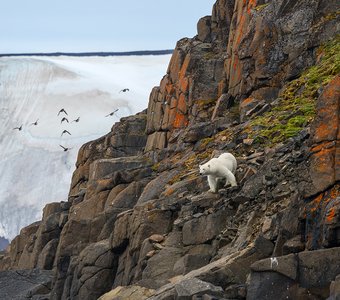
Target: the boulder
(198, 132)
(132, 292)
(25, 284)
(24, 242)
(295, 274)
(190, 262)
(204, 30)
(47, 255)
(160, 266)
(154, 188)
(205, 228)
(94, 272)
(128, 197)
(188, 288)
(103, 167)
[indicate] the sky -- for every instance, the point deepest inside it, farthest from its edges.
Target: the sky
(97, 25)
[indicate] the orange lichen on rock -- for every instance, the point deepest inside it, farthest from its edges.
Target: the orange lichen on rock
(322, 200)
(315, 205)
(325, 130)
(181, 105)
(184, 84)
(327, 123)
(330, 214)
(169, 88)
(318, 199)
(169, 191)
(239, 32)
(175, 65)
(321, 216)
(246, 102)
(320, 147)
(322, 167)
(333, 89)
(180, 120)
(184, 66)
(251, 5)
(323, 161)
(237, 69)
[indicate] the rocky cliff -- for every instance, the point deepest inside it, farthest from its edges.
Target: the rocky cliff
(260, 80)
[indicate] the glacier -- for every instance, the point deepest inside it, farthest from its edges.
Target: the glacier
(34, 168)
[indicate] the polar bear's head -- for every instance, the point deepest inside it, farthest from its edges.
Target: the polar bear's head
(205, 169)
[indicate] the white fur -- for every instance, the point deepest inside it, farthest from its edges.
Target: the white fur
(223, 166)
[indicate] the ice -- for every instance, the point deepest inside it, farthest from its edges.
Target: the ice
(34, 168)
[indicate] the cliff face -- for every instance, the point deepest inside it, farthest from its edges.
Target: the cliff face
(260, 80)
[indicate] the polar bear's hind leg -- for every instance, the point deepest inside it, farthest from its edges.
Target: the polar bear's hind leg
(230, 178)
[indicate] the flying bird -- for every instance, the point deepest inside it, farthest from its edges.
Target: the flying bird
(76, 120)
(65, 148)
(112, 113)
(65, 131)
(19, 128)
(64, 119)
(62, 110)
(34, 123)
(124, 90)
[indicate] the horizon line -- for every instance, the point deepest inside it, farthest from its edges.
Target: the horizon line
(96, 53)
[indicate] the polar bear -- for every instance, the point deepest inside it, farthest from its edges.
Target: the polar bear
(223, 166)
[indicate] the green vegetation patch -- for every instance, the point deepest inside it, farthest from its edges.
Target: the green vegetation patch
(190, 169)
(205, 142)
(206, 102)
(260, 7)
(296, 105)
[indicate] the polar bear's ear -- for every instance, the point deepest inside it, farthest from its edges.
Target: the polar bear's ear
(209, 166)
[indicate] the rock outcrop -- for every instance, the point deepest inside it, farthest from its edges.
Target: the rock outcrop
(25, 284)
(260, 80)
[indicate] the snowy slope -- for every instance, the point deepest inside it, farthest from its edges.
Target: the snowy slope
(34, 168)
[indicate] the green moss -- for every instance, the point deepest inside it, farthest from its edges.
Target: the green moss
(260, 7)
(191, 165)
(176, 178)
(206, 102)
(197, 158)
(155, 167)
(296, 106)
(209, 55)
(205, 142)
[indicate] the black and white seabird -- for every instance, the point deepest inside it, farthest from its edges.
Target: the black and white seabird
(112, 113)
(65, 131)
(64, 119)
(65, 148)
(34, 123)
(19, 128)
(62, 110)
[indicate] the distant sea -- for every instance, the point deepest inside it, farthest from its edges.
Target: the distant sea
(141, 52)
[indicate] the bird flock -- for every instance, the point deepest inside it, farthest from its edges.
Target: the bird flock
(65, 119)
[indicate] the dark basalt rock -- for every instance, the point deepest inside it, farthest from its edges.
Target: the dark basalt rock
(25, 284)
